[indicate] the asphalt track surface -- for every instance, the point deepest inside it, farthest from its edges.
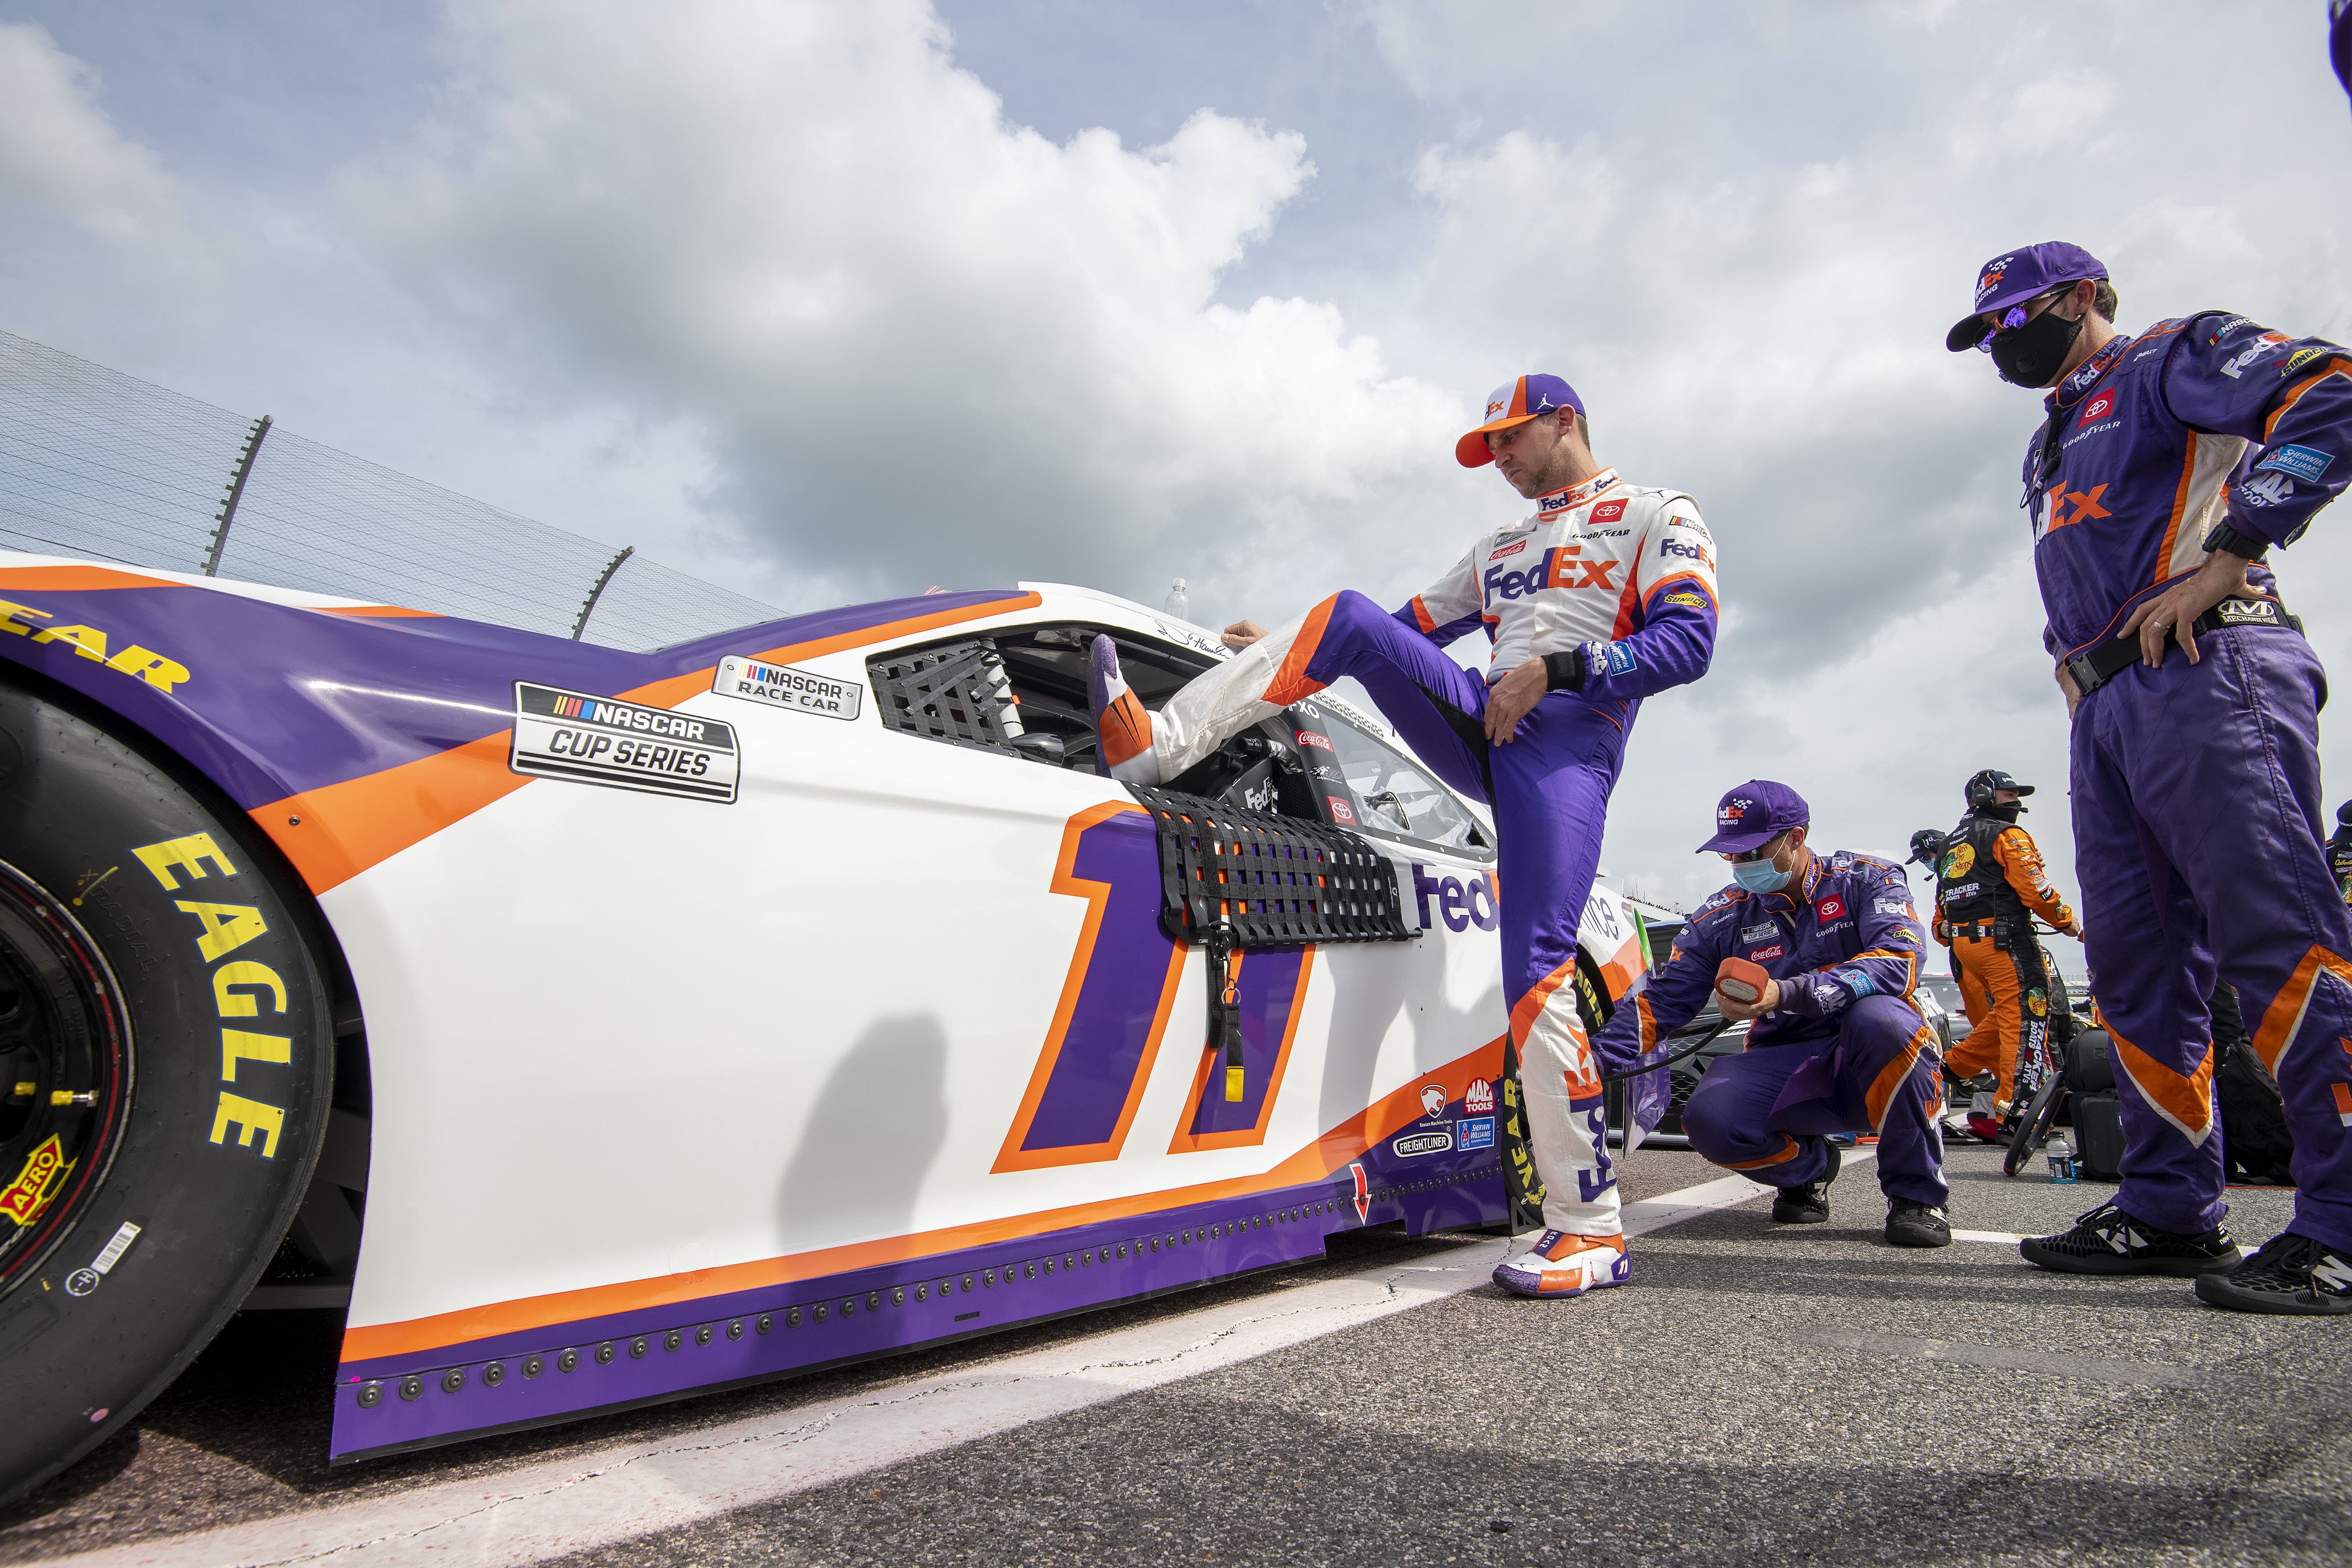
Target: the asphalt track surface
(1757, 1394)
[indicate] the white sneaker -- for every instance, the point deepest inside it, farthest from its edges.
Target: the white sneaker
(1564, 1264)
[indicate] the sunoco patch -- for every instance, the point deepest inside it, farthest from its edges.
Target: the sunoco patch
(561, 734)
(784, 687)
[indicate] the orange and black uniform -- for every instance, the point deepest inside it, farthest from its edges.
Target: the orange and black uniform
(1988, 886)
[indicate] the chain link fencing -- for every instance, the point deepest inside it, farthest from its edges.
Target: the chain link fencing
(98, 464)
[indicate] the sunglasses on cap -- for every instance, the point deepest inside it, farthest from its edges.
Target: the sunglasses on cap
(1761, 852)
(2017, 316)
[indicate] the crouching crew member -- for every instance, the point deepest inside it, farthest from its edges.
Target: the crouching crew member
(1988, 887)
(1836, 1047)
(2168, 466)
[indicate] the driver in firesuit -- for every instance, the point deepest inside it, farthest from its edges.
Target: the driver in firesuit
(2168, 466)
(1988, 887)
(1604, 596)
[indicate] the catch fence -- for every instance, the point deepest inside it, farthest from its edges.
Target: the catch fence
(98, 464)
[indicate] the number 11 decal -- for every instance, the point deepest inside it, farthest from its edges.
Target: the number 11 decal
(1081, 1098)
(1107, 1029)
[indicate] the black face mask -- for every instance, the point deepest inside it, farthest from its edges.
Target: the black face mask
(2003, 813)
(2030, 355)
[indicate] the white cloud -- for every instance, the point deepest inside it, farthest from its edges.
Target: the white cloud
(60, 157)
(925, 344)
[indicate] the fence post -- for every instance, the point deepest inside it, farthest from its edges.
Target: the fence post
(236, 493)
(597, 591)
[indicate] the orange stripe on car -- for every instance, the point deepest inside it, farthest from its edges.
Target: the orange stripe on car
(335, 832)
(78, 579)
(1318, 1160)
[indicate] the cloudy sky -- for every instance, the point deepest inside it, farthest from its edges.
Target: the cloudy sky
(831, 301)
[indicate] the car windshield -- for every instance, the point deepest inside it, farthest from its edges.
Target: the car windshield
(1943, 989)
(1395, 793)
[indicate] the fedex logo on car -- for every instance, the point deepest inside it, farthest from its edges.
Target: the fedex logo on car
(1462, 902)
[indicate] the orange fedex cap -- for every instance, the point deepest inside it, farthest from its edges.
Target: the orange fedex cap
(1515, 403)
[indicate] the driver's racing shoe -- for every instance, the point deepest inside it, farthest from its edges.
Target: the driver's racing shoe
(1911, 1223)
(1123, 727)
(1809, 1204)
(2290, 1274)
(2109, 1241)
(1564, 1264)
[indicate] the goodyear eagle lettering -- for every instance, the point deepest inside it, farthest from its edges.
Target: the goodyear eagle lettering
(239, 988)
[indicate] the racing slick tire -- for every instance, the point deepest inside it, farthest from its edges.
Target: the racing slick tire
(167, 1065)
(2034, 1125)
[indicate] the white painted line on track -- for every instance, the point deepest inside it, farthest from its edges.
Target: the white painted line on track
(546, 1511)
(1999, 1237)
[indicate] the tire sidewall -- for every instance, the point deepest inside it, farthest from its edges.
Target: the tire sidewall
(197, 1167)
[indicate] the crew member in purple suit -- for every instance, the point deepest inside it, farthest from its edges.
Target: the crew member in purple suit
(1837, 1045)
(2168, 467)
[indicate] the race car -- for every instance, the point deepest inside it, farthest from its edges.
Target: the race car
(594, 1028)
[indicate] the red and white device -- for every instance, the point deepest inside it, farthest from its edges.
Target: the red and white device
(1741, 981)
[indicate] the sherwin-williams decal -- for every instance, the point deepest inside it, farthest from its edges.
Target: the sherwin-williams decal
(561, 734)
(781, 685)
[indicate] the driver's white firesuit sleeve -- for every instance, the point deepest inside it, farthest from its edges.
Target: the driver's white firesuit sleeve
(1664, 632)
(1450, 609)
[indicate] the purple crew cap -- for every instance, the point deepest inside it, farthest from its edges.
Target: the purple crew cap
(2017, 276)
(1751, 812)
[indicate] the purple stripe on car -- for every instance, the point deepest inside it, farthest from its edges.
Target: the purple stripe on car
(658, 1354)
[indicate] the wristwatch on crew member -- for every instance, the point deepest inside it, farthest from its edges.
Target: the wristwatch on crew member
(2247, 546)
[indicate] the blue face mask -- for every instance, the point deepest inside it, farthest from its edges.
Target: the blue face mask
(1760, 876)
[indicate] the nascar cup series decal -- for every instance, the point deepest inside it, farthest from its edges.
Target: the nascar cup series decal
(787, 687)
(562, 735)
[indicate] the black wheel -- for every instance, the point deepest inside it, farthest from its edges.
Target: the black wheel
(166, 1053)
(2040, 1114)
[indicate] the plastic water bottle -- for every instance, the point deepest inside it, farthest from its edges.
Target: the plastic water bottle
(1176, 603)
(2062, 1161)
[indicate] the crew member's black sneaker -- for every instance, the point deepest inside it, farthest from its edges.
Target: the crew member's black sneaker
(1916, 1224)
(2109, 1241)
(2290, 1273)
(1809, 1204)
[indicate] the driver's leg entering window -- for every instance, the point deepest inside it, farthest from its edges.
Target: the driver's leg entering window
(1411, 681)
